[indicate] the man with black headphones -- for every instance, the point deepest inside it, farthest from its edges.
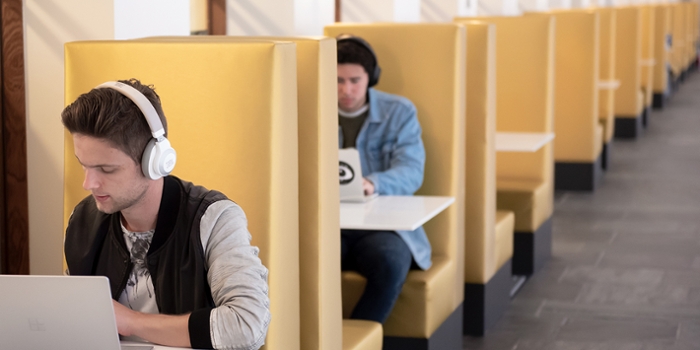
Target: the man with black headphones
(178, 256)
(384, 129)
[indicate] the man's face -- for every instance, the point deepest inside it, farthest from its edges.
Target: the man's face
(113, 178)
(352, 86)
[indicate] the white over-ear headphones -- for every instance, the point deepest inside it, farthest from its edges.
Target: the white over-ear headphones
(159, 157)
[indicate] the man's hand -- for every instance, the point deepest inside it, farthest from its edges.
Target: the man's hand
(368, 186)
(160, 329)
(124, 317)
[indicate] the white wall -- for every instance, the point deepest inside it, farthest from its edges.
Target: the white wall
(278, 18)
(368, 11)
(446, 10)
(48, 25)
(140, 18)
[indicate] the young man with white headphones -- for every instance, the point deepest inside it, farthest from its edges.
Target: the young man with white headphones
(178, 256)
(384, 129)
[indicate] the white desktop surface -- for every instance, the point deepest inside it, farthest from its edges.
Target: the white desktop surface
(608, 84)
(155, 347)
(522, 141)
(392, 213)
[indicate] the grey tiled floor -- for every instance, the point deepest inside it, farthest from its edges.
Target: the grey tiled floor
(625, 271)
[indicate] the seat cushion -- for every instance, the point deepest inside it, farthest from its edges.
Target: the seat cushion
(505, 222)
(362, 335)
(531, 201)
(421, 307)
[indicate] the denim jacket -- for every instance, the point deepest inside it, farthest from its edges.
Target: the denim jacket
(393, 157)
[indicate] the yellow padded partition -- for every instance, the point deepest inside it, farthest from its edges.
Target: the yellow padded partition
(319, 227)
(576, 62)
(525, 103)
(252, 160)
(426, 64)
(648, 16)
(691, 27)
(361, 335)
(606, 97)
(628, 54)
(505, 224)
(679, 38)
(662, 31)
(481, 246)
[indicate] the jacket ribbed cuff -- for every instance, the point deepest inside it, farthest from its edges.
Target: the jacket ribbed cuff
(200, 329)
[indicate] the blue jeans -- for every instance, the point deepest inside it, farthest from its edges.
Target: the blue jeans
(384, 259)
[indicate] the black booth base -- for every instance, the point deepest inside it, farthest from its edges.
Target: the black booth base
(447, 337)
(659, 101)
(605, 155)
(628, 128)
(578, 176)
(531, 250)
(484, 304)
(646, 113)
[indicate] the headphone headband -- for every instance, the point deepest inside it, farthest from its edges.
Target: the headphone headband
(159, 157)
(142, 103)
(374, 75)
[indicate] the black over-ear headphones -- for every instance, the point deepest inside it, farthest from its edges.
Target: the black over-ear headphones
(159, 157)
(374, 76)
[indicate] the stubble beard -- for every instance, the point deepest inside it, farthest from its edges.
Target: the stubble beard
(127, 201)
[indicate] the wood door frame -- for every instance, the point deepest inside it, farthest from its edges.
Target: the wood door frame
(14, 207)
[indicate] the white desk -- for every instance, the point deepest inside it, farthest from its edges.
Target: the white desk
(522, 141)
(135, 345)
(608, 84)
(392, 213)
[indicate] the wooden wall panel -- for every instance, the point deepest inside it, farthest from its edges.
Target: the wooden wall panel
(14, 212)
(217, 17)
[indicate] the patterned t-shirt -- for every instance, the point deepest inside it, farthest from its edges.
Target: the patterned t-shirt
(138, 294)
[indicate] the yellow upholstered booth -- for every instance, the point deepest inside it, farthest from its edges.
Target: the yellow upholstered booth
(662, 55)
(579, 143)
(629, 99)
(488, 235)
(252, 160)
(648, 17)
(426, 64)
(691, 38)
(319, 230)
(525, 103)
(607, 82)
(678, 41)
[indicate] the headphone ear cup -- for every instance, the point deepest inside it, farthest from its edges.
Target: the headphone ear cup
(375, 76)
(158, 160)
(149, 155)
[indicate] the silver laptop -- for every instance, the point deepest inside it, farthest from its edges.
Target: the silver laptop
(58, 313)
(351, 177)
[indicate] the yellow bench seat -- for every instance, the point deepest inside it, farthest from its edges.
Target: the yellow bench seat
(361, 335)
(419, 309)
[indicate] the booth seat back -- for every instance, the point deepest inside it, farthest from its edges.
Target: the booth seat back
(524, 91)
(691, 25)
(628, 55)
(426, 64)
(648, 16)
(662, 35)
(209, 91)
(481, 246)
(606, 97)
(319, 240)
(679, 38)
(576, 71)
